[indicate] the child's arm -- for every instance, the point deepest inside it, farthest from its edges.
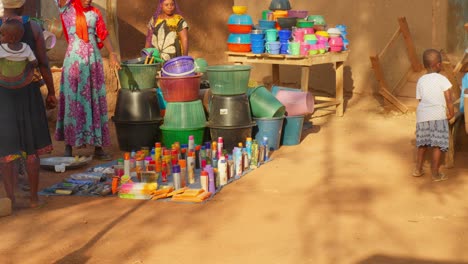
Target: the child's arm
(449, 103)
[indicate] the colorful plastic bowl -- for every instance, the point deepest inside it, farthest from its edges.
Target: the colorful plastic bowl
(239, 47)
(240, 19)
(239, 38)
(239, 29)
(239, 10)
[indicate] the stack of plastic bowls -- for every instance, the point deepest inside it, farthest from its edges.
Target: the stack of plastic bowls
(184, 115)
(344, 35)
(137, 116)
(239, 26)
(284, 36)
(257, 38)
(229, 111)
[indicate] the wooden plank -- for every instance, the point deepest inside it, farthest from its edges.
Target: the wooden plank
(339, 88)
(275, 74)
(305, 78)
(329, 57)
(383, 85)
(390, 43)
(453, 133)
(327, 104)
(403, 80)
(415, 62)
(323, 98)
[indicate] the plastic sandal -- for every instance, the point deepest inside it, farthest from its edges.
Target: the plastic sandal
(102, 156)
(440, 177)
(418, 173)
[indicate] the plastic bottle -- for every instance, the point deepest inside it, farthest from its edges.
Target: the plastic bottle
(176, 176)
(127, 163)
(248, 147)
(214, 151)
(183, 172)
(153, 153)
(222, 170)
(254, 159)
(191, 167)
(220, 147)
(204, 180)
(191, 143)
(267, 148)
(211, 179)
(157, 151)
(202, 156)
(197, 157)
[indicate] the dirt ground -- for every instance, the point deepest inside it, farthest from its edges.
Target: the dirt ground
(344, 195)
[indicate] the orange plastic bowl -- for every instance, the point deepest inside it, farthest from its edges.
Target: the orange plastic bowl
(239, 29)
(239, 47)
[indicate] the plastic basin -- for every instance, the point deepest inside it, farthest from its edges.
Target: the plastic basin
(180, 89)
(231, 135)
(264, 104)
(228, 79)
(292, 130)
(135, 106)
(296, 102)
(135, 75)
(184, 115)
(135, 135)
(270, 128)
(229, 110)
(172, 135)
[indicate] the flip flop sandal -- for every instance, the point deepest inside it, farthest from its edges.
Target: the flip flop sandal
(440, 177)
(418, 173)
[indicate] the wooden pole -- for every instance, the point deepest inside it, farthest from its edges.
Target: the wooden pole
(415, 62)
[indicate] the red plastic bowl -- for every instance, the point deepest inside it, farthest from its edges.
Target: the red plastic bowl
(180, 89)
(239, 29)
(239, 47)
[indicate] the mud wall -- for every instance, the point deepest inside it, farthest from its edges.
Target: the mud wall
(371, 24)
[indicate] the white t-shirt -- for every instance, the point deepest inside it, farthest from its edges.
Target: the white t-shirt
(430, 90)
(25, 53)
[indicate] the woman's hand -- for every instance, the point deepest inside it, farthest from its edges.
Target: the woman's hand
(51, 101)
(114, 61)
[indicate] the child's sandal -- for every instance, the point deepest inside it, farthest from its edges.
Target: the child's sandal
(440, 177)
(418, 173)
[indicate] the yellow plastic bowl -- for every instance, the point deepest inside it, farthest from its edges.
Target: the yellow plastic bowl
(239, 10)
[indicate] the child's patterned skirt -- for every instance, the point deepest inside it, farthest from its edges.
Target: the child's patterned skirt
(434, 133)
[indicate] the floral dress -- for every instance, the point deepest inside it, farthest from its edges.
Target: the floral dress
(166, 35)
(82, 113)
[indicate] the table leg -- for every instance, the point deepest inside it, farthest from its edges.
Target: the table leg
(305, 78)
(339, 88)
(275, 74)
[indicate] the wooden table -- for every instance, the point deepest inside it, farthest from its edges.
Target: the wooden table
(305, 62)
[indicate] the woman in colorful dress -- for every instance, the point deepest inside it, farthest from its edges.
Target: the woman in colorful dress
(167, 31)
(25, 131)
(82, 115)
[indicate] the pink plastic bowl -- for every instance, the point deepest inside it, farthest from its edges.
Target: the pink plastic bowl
(296, 102)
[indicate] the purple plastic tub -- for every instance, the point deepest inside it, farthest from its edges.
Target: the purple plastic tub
(179, 65)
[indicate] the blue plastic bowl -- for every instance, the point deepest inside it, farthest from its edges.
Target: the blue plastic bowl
(266, 24)
(239, 38)
(240, 20)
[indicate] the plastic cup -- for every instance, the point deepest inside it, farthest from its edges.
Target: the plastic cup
(294, 48)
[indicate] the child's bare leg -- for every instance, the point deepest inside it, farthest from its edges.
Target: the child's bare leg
(9, 179)
(32, 167)
(420, 158)
(435, 165)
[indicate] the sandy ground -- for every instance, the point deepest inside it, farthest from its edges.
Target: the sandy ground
(344, 195)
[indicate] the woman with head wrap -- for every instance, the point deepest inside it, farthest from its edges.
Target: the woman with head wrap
(82, 115)
(167, 31)
(25, 132)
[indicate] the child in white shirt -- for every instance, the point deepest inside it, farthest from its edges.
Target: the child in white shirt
(434, 110)
(16, 58)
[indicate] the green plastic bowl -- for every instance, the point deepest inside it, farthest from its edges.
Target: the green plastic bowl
(301, 23)
(186, 115)
(135, 75)
(228, 79)
(172, 135)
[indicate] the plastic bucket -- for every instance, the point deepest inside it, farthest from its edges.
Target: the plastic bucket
(296, 102)
(264, 104)
(136, 106)
(233, 110)
(292, 130)
(276, 88)
(231, 135)
(135, 135)
(184, 115)
(270, 128)
(172, 135)
(180, 89)
(228, 79)
(135, 75)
